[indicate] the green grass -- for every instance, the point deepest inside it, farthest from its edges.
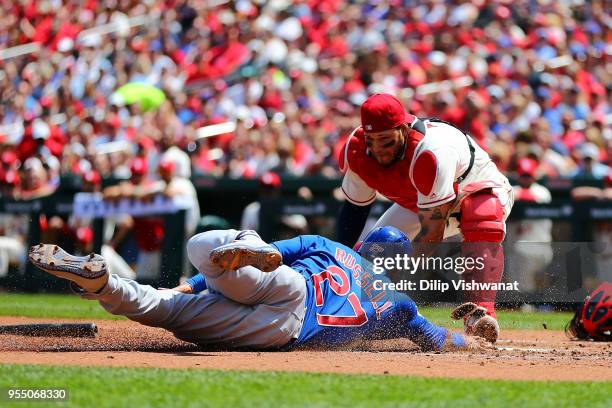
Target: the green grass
(142, 387)
(71, 306)
(508, 319)
(47, 305)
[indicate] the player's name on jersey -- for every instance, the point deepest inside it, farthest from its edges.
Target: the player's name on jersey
(442, 286)
(93, 205)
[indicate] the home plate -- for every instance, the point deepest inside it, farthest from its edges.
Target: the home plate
(536, 350)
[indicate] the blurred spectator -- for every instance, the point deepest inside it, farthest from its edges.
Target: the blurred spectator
(13, 227)
(37, 180)
(172, 154)
(589, 165)
(269, 188)
(528, 245)
(9, 174)
(76, 232)
(13, 233)
(148, 230)
(91, 183)
(602, 229)
(290, 226)
(172, 184)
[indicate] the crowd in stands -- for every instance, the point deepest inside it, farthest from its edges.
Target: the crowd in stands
(525, 79)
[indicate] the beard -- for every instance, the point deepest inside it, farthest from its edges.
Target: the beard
(387, 164)
(397, 155)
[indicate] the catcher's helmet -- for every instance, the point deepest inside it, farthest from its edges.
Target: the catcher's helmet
(385, 242)
(594, 319)
(597, 312)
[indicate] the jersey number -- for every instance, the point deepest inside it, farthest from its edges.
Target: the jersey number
(340, 289)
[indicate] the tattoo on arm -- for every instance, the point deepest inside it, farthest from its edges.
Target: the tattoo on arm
(424, 226)
(433, 222)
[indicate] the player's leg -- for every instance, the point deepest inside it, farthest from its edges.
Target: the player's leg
(483, 227)
(209, 318)
(401, 218)
(203, 319)
(247, 284)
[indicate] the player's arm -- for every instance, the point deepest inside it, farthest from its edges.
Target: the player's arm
(433, 222)
(351, 220)
(355, 209)
(433, 176)
(359, 198)
(195, 284)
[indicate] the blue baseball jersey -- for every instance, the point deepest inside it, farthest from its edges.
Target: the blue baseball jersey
(342, 304)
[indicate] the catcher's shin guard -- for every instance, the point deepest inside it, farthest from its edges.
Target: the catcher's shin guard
(483, 228)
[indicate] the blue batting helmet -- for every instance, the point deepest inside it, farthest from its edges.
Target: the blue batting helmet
(385, 242)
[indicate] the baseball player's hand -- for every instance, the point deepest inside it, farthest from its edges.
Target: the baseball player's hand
(183, 288)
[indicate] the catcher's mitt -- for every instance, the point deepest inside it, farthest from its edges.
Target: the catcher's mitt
(593, 321)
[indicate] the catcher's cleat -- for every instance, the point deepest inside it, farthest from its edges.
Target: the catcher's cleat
(476, 321)
(88, 272)
(247, 249)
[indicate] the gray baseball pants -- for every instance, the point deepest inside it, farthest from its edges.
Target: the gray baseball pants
(244, 308)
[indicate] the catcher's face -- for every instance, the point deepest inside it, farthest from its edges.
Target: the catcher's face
(387, 146)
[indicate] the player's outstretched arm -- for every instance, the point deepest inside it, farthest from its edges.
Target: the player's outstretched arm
(355, 209)
(351, 220)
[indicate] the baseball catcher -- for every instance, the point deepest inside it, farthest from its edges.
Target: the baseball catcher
(305, 291)
(442, 184)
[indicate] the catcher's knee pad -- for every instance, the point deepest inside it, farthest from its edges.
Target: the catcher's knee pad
(482, 218)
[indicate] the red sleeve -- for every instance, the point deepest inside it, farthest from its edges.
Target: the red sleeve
(425, 170)
(342, 153)
(342, 159)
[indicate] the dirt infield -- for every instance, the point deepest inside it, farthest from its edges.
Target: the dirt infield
(519, 355)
